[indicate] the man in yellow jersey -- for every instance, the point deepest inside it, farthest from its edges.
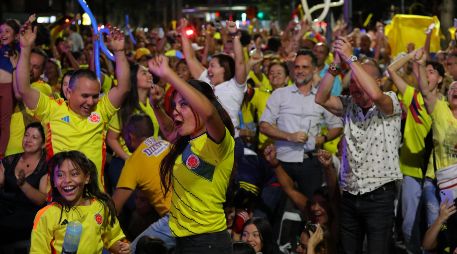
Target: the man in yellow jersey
(79, 123)
(150, 151)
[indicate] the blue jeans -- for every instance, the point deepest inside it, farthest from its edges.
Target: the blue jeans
(307, 174)
(211, 243)
(410, 198)
(370, 214)
(158, 229)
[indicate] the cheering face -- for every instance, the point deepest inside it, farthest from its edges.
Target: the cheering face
(187, 123)
(358, 95)
(70, 181)
(7, 34)
(251, 235)
(143, 78)
(83, 98)
(215, 72)
(433, 77)
(317, 210)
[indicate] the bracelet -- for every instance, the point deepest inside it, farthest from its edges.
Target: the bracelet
(118, 50)
(334, 69)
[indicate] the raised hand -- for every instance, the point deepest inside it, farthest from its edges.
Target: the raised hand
(116, 39)
(183, 23)
(159, 65)
(420, 57)
(156, 95)
(447, 209)
(27, 34)
(231, 27)
(343, 47)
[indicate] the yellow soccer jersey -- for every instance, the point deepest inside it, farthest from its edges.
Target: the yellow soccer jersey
(66, 130)
(115, 124)
(51, 223)
(259, 103)
(444, 135)
(417, 125)
(141, 170)
(262, 84)
(200, 179)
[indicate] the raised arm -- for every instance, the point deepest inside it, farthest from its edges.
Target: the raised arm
(27, 38)
(427, 92)
(166, 124)
(431, 236)
(363, 78)
(399, 82)
(240, 63)
(195, 67)
(199, 103)
(323, 96)
(117, 94)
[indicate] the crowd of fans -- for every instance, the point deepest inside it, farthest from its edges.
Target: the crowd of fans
(226, 140)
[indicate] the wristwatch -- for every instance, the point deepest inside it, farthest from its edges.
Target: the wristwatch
(334, 69)
(351, 59)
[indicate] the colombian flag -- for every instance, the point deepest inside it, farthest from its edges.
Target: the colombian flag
(405, 29)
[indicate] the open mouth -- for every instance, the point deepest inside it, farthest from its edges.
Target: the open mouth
(178, 123)
(68, 189)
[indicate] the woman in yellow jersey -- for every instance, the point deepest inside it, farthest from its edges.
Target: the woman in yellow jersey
(136, 102)
(77, 198)
(199, 165)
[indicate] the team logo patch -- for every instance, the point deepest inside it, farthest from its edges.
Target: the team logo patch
(94, 117)
(98, 219)
(65, 119)
(192, 161)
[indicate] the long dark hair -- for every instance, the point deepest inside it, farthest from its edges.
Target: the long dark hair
(132, 101)
(269, 245)
(168, 162)
(91, 190)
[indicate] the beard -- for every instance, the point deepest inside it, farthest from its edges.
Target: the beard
(305, 81)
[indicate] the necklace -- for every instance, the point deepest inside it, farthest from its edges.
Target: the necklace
(27, 164)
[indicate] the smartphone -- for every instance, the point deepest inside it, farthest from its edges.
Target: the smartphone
(447, 195)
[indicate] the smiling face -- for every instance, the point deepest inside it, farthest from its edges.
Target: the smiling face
(70, 181)
(252, 236)
(7, 34)
(318, 211)
(143, 78)
(32, 141)
(215, 72)
(277, 76)
(187, 123)
(303, 69)
(83, 98)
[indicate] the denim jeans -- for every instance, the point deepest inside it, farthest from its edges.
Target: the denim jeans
(370, 214)
(307, 174)
(211, 243)
(410, 198)
(158, 229)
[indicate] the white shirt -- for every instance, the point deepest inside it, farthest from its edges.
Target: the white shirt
(370, 147)
(291, 111)
(230, 94)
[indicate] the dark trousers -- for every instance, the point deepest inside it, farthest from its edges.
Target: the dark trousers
(307, 174)
(211, 243)
(370, 214)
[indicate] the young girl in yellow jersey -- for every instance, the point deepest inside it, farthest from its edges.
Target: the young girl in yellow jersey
(77, 197)
(199, 165)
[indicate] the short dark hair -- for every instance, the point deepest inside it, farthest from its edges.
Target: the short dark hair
(226, 62)
(437, 66)
(80, 74)
(307, 52)
(139, 125)
(39, 127)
